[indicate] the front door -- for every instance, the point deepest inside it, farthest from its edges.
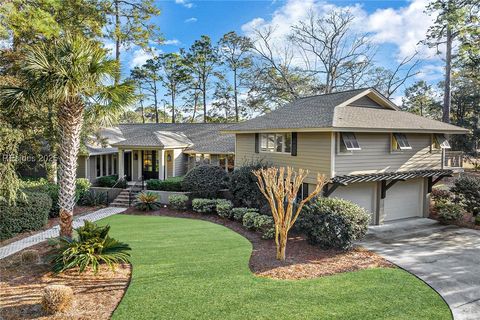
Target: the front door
(150, 164)
(127, 165)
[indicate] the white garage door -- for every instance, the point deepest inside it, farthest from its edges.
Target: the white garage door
(362, 194)
(404, 200)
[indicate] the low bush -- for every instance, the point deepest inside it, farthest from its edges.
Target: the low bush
(441, 195)
(94, 198)
(30, 213)
(91, 248)
(333, 223)
(449, 211)
(265, 225)
(224, 208)
(147, 201)
(30, 256)
(82, 188)
(42, 185)
(170, 184)
(249, 219)
(238, 213)
(243, 186)
(107, 181)
(57, 298)
(204, 206)
(477, 220)
(467, 188)
(205, 181)
(178, 201)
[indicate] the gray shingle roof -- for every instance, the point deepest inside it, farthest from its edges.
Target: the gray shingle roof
(196, 137)
(324, 112)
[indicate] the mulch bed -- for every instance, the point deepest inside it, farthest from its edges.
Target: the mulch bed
(78, 211)
(304, 261)
(21, 288)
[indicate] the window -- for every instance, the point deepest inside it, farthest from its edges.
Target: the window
(400, 142)
(276, 142)
(104, 165)
(114, 162)
(98, 165)
(349, 142)
(440, 142)
(148, 161)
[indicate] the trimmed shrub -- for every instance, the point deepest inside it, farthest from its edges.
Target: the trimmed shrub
(107, 181)
(91, 248)
(224, 208)
(30, 213)
(205, 181)
(333, 223)
(477, 220)
(265, 225)
(147, 201)
(57, 298)
(244, 189)
(178, 201)
(249, 219)
(204, 206)
(238, 213)
(441, 195)
(467, 188)
(449, 212)
(82, 187)
(170, 184)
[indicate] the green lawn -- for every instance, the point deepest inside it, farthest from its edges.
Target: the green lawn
(191, 269)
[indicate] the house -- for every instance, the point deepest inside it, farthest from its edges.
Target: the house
(156, 150)
(383, 159)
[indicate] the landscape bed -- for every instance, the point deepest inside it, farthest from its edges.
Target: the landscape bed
(193, 269)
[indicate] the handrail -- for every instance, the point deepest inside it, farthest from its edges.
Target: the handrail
(119, 179)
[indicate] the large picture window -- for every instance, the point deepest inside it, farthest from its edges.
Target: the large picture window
(276, 142)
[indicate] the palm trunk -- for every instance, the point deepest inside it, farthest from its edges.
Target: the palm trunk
(70, 120)
(447, 95)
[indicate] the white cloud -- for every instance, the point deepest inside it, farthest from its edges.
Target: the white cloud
(430, 73)
(404, 27)
(184, 3)
(140, 56)
(191, 20)
(172, 42)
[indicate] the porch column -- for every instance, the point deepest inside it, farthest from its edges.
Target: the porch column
(177, 153)
(161, 164)
(380, 205)
(139, 163)
(121, 171)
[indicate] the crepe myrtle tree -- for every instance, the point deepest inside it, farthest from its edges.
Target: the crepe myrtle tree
(74, 72)
(280, 187)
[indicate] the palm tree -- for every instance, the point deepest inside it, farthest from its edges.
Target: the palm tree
(74, 72)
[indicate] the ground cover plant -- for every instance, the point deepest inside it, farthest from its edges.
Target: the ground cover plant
(212, 280)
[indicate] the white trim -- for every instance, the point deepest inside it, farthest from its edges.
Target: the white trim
(332, 154)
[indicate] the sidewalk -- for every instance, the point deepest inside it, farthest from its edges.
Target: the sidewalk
(16, 246)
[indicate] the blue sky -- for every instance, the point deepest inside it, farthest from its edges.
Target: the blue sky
(395, 26)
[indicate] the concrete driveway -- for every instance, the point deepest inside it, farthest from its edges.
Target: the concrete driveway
(445, 257)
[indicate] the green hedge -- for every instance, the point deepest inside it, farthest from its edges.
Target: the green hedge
(205, 181)
(43, 186)
(170, 184)
(107, 181)
(30, 213)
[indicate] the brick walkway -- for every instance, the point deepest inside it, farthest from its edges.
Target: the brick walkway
(16, 246)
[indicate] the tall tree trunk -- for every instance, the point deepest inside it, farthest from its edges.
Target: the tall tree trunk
(173, 106)
(204, 95)
(195, 102)
(117, 40)
(155, 101)
(235, 94)
(447, 94)
(70, 119)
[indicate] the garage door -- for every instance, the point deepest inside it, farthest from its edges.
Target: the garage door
(362, 194)
(404, 200)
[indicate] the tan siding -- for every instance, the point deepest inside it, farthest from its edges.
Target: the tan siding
(376, 157)
(313, 153)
